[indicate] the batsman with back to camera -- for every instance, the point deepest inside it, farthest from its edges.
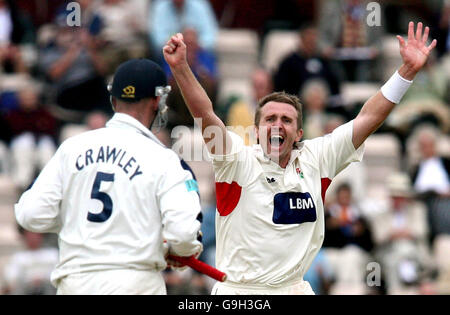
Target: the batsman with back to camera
(270, 222)
(115, 194)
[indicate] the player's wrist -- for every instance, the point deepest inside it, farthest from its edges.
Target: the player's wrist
(407, 72)
(396, 87)
(179, 67)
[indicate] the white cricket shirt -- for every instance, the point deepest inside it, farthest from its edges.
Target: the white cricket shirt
(270, 221)
(113, 195)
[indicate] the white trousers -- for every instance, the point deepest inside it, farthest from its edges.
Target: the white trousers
(113, 282)
(300, 287)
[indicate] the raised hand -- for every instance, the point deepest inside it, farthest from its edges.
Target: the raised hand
(175, 51)
(415, 51)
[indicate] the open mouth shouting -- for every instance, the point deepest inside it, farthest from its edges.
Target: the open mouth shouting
(276, 142)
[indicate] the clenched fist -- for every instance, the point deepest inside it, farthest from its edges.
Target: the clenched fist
(175, 51)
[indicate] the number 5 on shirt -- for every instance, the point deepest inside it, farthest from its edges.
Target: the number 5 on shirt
(103, 197)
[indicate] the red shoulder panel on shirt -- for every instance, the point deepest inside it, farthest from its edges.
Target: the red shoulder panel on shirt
(324, 183)
(227, 196)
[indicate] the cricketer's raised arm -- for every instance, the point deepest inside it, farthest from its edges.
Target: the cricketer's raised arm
(200, 106)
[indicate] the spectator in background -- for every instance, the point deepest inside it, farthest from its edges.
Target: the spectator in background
(123, 30)
(203, 65)
(431, 180)
(76, 70)
(168, 17)
(306, 64)
(5, 138)
(314, 96)
(400, 235)
(94, 120)
(6, 24)
(33, 130)
(348, 243)
(432, 174)
(28, 271)
(15, 30)
(346, 37)
(241, 113)
(11, 60)
(443, 29)
(15, 26)
(426, 101)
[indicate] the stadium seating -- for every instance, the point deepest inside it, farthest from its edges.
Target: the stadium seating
(358, 92)
(278, 44)
(240, 88)
(382, 157)
(237, 52)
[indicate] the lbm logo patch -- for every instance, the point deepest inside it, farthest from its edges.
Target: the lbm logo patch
(129, 92)
(293, 208)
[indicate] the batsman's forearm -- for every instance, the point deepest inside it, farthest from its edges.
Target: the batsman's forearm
(193, 93)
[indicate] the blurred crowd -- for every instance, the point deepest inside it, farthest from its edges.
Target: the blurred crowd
(53, 85)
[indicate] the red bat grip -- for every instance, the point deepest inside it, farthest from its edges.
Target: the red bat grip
(200, 266)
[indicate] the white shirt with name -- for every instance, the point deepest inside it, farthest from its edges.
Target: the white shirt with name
(112, 195)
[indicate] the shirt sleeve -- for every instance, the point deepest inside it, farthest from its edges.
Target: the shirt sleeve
(180, 209)
(39, 207)
(335, 151)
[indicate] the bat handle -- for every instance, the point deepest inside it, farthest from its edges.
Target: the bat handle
(201, 267)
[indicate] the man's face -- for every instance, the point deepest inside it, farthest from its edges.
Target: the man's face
(309, 40)
(427, 146)
(277, 131)
(344, 197)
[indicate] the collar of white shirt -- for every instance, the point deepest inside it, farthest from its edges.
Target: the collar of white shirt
(121, 120)
(263, 158)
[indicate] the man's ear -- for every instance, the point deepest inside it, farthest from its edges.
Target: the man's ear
(299, 135)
